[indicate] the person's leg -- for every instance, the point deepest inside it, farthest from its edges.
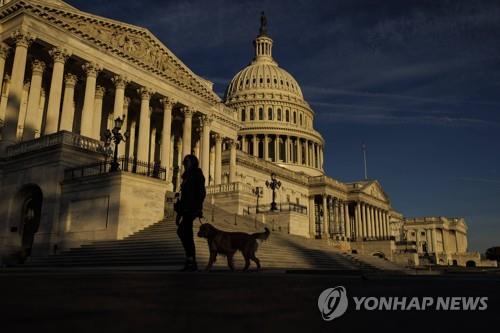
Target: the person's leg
(189, 238)
(185, 233)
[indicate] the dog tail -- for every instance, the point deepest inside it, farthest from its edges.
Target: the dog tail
(262, 235)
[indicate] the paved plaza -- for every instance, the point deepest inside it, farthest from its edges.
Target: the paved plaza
(151, 300)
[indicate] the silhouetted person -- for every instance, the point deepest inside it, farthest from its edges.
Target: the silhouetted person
(190, 207)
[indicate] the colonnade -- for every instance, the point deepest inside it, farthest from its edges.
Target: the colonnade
(283, 148)
(27, 112)
(347, 220)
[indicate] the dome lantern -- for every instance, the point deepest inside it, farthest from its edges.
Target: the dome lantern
(263, 43)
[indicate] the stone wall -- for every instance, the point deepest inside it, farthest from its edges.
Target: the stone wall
(108, 207)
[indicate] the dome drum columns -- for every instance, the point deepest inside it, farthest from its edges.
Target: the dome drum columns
(287, 149)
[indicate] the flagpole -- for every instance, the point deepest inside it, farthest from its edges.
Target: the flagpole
(364, 159)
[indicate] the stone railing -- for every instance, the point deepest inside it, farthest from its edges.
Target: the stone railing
(228, 188)
(59, 138)
(281, 207)
(325, 180)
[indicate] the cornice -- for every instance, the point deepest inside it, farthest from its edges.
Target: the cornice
(135, 45)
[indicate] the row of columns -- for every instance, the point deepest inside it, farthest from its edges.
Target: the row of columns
(294, 150)
(336, 222)
(339, 219)
(371, 222)
(23, 111)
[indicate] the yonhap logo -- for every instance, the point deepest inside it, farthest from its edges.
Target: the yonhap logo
(332, 303)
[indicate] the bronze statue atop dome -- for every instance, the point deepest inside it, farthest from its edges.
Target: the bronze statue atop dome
(263, 24)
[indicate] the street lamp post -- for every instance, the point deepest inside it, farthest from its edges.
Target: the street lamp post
(257, 191)
(115, 136)
(274, 184)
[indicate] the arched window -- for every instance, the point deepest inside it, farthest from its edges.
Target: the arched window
(270, 114)
(287, 116)
(300, 119)
(294, 117)
(275, 81)
(252, 114)
(260, 80)
(268, 80)
(243, 115)
(279, 114)
(261, 114)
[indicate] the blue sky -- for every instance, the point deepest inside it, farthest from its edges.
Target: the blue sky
(418, 81)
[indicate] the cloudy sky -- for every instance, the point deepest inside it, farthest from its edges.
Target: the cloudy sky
(417, 80)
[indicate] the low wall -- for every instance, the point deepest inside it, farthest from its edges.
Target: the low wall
(108, 207)
(286, 222)
(386, 247)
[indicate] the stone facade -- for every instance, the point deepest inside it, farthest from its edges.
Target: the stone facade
(66, 75)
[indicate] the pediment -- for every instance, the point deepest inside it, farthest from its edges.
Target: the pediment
(134, 44)
(375, 190)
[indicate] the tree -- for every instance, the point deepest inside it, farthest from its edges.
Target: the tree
(493, 253)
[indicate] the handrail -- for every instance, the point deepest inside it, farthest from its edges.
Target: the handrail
(125, 164)
(59, 138)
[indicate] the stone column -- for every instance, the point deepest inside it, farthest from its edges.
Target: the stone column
(4, 52)
(364, 221)
(340, 211)
(299, 151)
(266, 147)
(30, 126)
(132, 139)
(320, 156)
(22, 111)
(444, 235)
(306, 150)
(374, 222)
(196, 145)
(287, 149)
(244, 143)
(91, 70)
(312, 218)
(325, 217)
(315, 156)
(358, 221)
(41, 108)
(144, 125)
(5, 97)
(120, 83)
(347, 221)
(434, 240)
(67, 108)
(9, 131)
(165, 135)
(54, 104)
(186, 131)
(371, 217)
(232, 161)
(276, 148)
(255, 145)
(97, 118)
(152, 146)
(211, 174)
(380, 224)
(218, 159)
(205, 150)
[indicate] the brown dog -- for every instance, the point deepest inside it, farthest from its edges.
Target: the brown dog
(227, 243)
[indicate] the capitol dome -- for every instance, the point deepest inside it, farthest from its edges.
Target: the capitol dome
(277, 123)
(263, 74)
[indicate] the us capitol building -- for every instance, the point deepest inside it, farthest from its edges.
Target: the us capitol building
(67, 77)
